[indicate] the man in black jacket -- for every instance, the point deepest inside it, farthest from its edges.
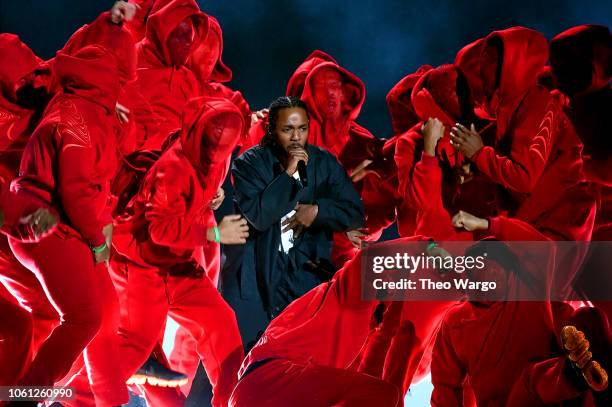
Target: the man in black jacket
(294, 196)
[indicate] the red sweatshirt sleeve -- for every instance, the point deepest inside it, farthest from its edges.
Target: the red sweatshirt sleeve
(405, 151)
(511, 229)
(532, 140)
(166, 211)
(425, 191)
(447, 372)
(419, 175)
(426, 182)
(82, 199)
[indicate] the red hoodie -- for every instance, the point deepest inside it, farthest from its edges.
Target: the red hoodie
(213, 83)
(537, 152)
(71, 156)
(429, 183)
(163, 89)
(537, 155)
(353, 144)
(170, 211)
(581, 61)
(487, 341)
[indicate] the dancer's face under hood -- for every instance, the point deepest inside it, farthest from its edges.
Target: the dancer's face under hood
(329, 93)
(212, 128)
(206, 59)
(210, 54)
(221, 133)
(167, 39)
(295, 86)
(333, 94)
(180, 42)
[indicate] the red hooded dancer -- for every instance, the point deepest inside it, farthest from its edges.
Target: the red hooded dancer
(159, 269)
(303, 358)
(68, 164)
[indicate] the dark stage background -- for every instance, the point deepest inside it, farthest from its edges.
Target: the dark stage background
(380, 41)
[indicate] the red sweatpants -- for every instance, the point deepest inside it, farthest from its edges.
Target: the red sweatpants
(15, 338)
(398, 350)
(24, 286)
(83, 295)
(281, 383)
(425, 317)
(147, 297)
(380, 348)
(184, 357)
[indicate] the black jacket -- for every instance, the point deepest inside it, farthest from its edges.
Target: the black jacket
(264, 193)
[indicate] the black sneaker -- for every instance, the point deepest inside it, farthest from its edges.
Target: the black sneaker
(156, 374)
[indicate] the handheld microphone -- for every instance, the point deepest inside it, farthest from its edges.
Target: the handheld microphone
(301, 168)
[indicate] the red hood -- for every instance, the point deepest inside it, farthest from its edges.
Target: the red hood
(295, 86)
(426, 105)
(90, 73)
(581, 59)
(22, 62)
(354, 90)
(525, 52)
(221, 73)
(195, 116)
(164, 17)
(114, 37)
(399, 102)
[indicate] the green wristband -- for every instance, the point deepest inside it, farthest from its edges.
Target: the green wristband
(99, 249)
(217, 235)
(431, 245)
